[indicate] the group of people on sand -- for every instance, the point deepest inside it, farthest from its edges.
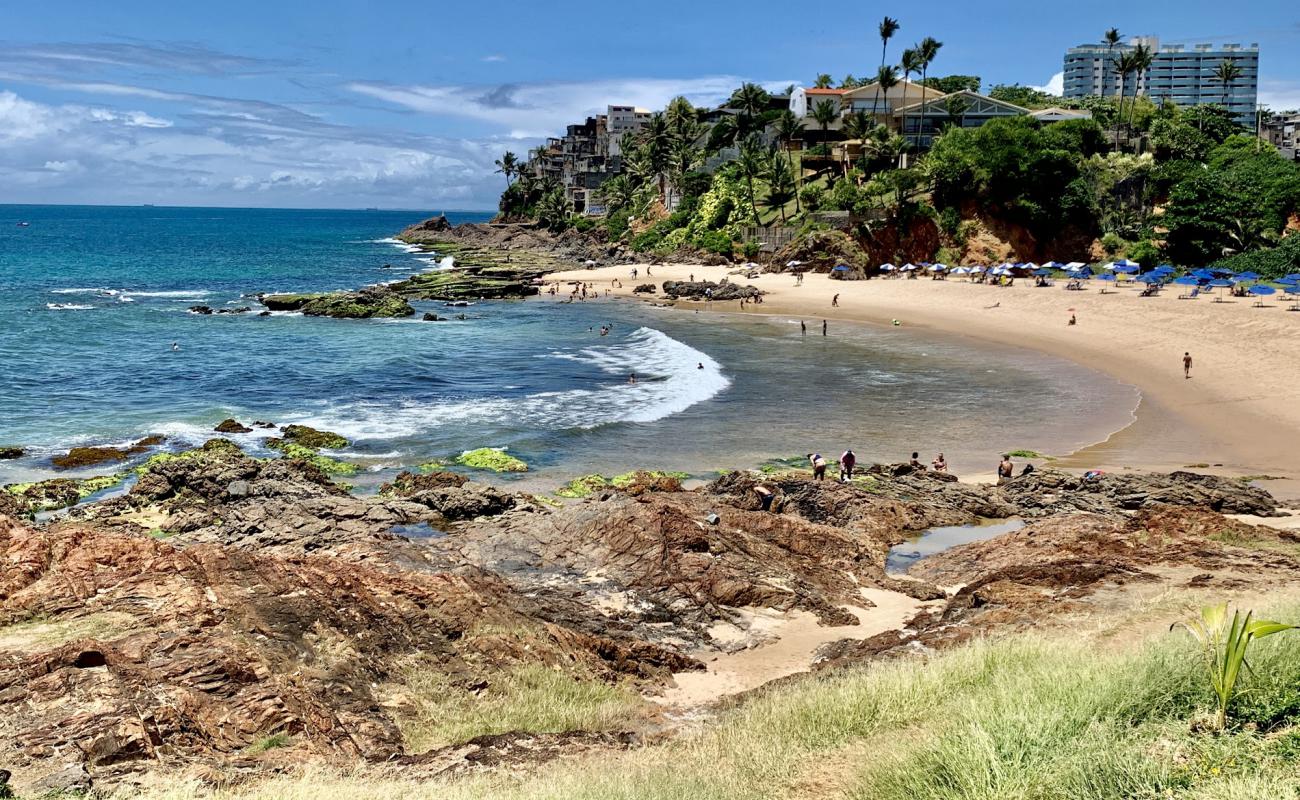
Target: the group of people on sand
(849, 461)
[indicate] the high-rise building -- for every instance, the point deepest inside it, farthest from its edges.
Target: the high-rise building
(1184, 75)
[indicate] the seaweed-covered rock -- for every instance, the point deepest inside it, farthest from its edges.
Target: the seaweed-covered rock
(708, 290)
(367, 303)
(491, 458)
(231, 426)
(309, 437)
(56, 493)
(330, 466)
(8, 451)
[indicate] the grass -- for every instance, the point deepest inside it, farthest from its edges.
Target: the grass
(41, 632)
(1243, 540)
(435, 712)
(1023, 718)
(268, 743)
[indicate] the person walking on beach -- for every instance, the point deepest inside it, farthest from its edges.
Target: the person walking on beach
(692, 277)
(823, 327)
(1187, 365)
(803, 328)
(835, 301)
(818, 462)
(1005, 469)
(848, 460)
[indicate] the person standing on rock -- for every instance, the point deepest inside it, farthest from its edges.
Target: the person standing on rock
(1187, 365)
(848, 460)
(818, 462)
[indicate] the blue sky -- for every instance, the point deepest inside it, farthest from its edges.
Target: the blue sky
(405, 104)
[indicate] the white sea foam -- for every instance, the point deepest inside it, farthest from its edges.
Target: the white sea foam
(669, 382)
(194, 293)
(67, 307)
(83, 290)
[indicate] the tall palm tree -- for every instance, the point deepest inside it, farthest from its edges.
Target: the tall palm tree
(886, 79)
(507, 165)
(911, 64)
(1111, 38)
(823, 81)
(1143, 58)
(888, 27)
(928, 50)
(1125, 64)
(752, 101)
(825, 113)
(780, 186)
(788, 127)
(616, 192)
(655, 139)
(752, 165)
(1227, 73)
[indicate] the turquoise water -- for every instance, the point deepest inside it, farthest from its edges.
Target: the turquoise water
(92, 298)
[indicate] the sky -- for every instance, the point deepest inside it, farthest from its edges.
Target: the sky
(334, 104)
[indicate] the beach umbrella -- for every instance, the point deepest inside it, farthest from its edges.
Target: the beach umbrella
(1054, 265)
(961, 271)
(979, 268)
(1220, 283)
(909, 267)
(1248, 276)
(1106, 276)
(1075, 265)
(842, 268)
(1126, 268)
(1203, 274)
(1295, 276)
(794, 263)
(887, 267)
(1262, 290)
(937, 268)
(1148, 278)
(1028, 265)
(1187, 280)
(1042, 272)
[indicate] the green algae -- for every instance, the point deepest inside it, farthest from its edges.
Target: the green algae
(312, 438)
(437, 465)
(628, 478)
(491, 458)
(582, 486)
(330, 466)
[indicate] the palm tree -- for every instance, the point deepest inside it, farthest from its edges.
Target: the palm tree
(1142, 60)
(1111, 39)
(927, 50)
(507, 165)
(616, 192)
(656, 140)
(911, 63)
(886, 79)
(888, 27)
(780, 186)
(788, 127)
(751, 164)
(1124, 65)
(825, 112)
(752, 101)
(823, 81)
(1227, 73)
(956, 105)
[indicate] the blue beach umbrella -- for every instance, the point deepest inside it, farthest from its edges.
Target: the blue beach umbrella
(1043, 271)
(1053, 265)
(1105, 276)
(1248, 276)
(1148, 278)
(1220, 283)
(841, 268)
(1295, 276)
(1187, 280)
(1203, 274)
(887, 267)
(1262, 290)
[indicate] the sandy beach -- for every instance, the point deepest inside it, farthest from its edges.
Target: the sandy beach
(1239, 413)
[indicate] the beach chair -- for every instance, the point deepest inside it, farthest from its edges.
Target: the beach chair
(1192, 295)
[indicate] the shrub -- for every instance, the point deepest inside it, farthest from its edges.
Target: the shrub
(812, 197)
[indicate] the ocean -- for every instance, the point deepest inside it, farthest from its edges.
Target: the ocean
(93, 298)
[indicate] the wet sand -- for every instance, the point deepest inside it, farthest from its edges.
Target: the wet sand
(1239, 413)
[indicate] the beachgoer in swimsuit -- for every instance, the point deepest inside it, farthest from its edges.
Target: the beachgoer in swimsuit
(1006, 469)
(1187, 365)
(939, 464)
(818, 462)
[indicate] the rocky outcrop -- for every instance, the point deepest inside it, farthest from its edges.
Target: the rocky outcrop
(708, 290)
(823, 250)
(367, 303)
(231, 426)
(1053, 492)
(9, 451)
(470, 284)
(311, 438)
(79, 457)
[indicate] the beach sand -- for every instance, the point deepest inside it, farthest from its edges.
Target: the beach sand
(1239, 413)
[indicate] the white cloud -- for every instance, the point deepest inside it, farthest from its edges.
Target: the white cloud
(535, 110)
(1055, 86)
(76, 153)
(1280, 95)
(495, 58)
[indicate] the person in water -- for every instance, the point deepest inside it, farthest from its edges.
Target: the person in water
(631, 378)
(818, 462)
(175, 346)
(848, 460)
(939, 464)
(1006, 469)
(700, 365)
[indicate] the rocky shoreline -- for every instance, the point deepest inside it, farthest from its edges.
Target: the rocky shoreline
(225, 599)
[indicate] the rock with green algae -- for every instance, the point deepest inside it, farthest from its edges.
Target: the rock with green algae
(8, 451)
(56, 493)
(90, 456)
(309, 437)
(330, 466)
(209, 449)
(582, 486)
(368, 303)
(491, 458)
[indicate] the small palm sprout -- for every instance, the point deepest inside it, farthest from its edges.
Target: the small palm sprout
(1224, 645)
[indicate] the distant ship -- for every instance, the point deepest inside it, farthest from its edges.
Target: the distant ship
(24, 224)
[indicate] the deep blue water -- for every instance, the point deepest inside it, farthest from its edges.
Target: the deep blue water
(92, 298)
